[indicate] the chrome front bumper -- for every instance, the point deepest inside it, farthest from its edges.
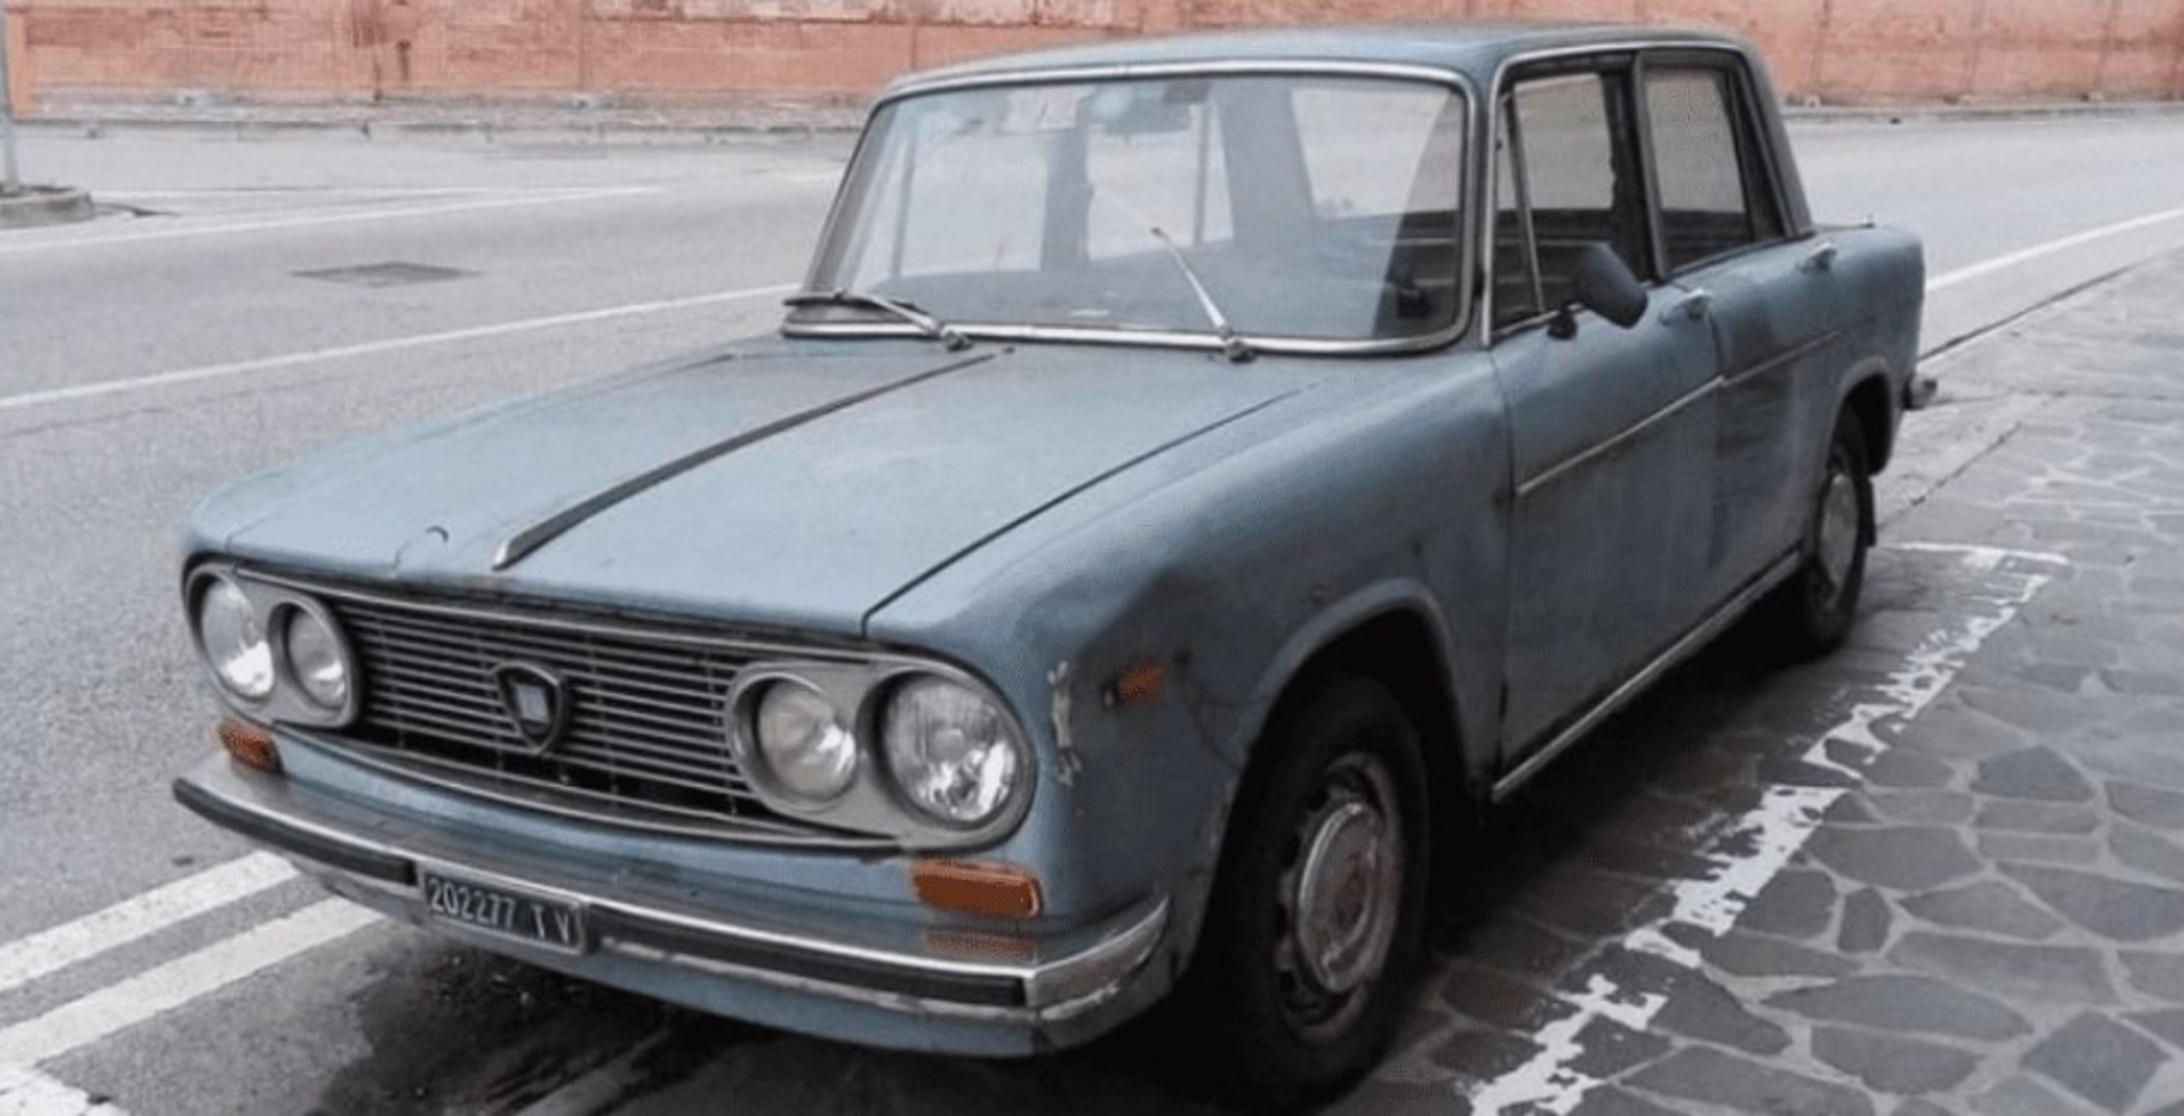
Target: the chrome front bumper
(365, 857)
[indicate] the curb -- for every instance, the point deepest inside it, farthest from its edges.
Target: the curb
(1973, 113)
(572, 130)
(242, 123)
(44, 205)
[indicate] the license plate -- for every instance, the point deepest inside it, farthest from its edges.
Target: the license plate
(532, 919)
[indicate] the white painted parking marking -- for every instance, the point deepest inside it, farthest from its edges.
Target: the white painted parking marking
(27, 959)
(372, 348)
(117, 1007)
(1763, 841)
(1981, 557)
(30, 1093)
(183, 232)
(2049, 248)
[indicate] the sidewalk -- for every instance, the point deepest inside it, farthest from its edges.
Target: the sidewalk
(37, 206)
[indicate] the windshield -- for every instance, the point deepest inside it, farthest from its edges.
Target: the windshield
(1307, 207)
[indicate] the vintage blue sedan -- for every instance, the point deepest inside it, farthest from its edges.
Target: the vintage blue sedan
(1201, 477)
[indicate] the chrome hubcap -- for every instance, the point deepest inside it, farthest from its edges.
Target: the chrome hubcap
(1341, 895)
(1837, 545)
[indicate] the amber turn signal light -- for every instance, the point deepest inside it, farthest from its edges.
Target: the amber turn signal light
(976, 887)
(250, 745)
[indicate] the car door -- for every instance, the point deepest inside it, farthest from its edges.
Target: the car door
(1613, 429)
(1774, 302)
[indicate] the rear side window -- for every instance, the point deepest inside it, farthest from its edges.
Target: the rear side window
(1566, 179)
(1714, 194)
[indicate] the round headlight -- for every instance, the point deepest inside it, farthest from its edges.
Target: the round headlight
(316, 659)
(802, 741)
(233, 641)
(950, 750)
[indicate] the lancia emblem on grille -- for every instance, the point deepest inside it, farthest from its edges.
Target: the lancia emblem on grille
(537, 703)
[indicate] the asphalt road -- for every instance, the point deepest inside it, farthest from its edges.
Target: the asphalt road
(148, 356)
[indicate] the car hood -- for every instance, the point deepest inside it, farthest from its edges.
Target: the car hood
(778, 485)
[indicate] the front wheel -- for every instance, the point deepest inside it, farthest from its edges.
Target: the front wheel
(1304, 969)
(1811, 614)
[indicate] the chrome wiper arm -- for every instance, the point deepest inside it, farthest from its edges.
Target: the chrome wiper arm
(927, 324)
(1233, 345)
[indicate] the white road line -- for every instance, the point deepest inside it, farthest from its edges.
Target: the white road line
(2064, 244)
(1752, 850)
(26, 959)
(30, 1093)
(370, 348)
(57, 243)
(298, 193)
(119, 1006)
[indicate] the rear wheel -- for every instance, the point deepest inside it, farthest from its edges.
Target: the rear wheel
(1304, 968)
(1811, 613)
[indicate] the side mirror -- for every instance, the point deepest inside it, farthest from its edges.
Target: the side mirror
(1602, 283)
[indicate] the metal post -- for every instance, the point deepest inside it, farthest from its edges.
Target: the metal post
(12, 182)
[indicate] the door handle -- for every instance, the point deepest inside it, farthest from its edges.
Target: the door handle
(1690, 307)
(1821, 258)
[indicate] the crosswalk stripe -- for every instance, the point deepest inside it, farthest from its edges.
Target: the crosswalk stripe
(117, 1007)
(27, 959)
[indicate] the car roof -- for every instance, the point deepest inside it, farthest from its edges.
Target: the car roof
(1474, 49)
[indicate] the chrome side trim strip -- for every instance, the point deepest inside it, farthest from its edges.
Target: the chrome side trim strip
(1647, 675)
(1784, 358)
(546, 530)
(1582, 457)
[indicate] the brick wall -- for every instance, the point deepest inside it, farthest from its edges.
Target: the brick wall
(355, 50)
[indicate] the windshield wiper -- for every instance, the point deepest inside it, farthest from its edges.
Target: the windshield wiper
(926, 324)
(1233, 345)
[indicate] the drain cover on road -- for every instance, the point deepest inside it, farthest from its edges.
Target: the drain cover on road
(393, 273)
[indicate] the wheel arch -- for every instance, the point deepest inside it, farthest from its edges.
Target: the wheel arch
(1872, 399)
(1396, 634)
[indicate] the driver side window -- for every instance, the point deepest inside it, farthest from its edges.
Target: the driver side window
(1566, 177)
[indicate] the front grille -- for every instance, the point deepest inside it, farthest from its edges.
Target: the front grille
(647, 728)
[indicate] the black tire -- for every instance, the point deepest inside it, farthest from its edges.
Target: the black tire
(1278, 1040)
(1811, 614)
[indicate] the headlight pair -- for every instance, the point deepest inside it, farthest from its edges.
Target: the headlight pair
(272, 648)
(904, 752)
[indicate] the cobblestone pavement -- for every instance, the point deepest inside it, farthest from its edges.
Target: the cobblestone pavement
(1939, 872)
